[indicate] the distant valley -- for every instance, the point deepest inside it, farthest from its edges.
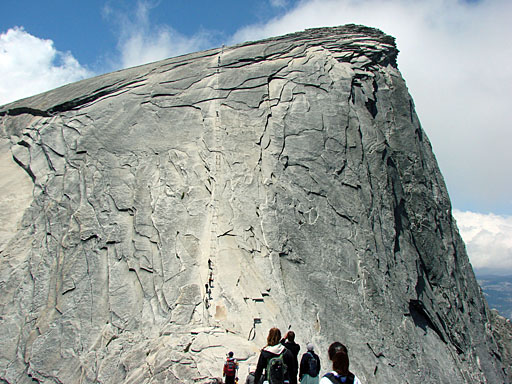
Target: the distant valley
(498, 292)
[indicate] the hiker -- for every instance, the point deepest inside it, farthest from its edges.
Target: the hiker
(230, 369)
(309, 366)
(250, 376)
(274, 360)
(340, 373)
(289, 342)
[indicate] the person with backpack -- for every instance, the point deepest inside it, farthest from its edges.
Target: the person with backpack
(340, 373)
(250, 377)
(230, 369)
(274, 360)
(309, 366)
(289, 342)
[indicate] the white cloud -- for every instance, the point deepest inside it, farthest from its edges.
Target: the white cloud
(454, 55)
(30, 65)
(142, 42)
(488, 239)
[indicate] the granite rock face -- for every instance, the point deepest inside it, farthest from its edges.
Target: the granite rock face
(502, 332)
(163, 215)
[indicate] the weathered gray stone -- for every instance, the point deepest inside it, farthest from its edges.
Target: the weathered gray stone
(178, 210)
(502, 332)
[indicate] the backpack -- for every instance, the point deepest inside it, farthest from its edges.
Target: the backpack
(349, 379)
(230, 368)
(276, 370)
(312, 365)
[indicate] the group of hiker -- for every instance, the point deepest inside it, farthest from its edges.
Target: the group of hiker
(278, 364)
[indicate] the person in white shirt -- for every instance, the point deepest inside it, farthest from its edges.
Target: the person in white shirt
(340, 373)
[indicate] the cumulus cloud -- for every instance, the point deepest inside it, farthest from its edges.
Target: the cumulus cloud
(30, 65)
(488, 239)
(454, 56)
(141, 41)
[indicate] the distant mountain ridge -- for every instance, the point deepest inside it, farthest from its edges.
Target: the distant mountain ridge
(498, 292)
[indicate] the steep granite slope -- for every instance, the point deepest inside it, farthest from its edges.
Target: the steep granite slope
(168, 213)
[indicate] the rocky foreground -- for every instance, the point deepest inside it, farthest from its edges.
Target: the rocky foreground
(154, 218)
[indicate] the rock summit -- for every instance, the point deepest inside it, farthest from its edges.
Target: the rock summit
(157, 217)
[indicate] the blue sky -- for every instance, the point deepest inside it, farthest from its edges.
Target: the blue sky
(454, 54)
(90, 30)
